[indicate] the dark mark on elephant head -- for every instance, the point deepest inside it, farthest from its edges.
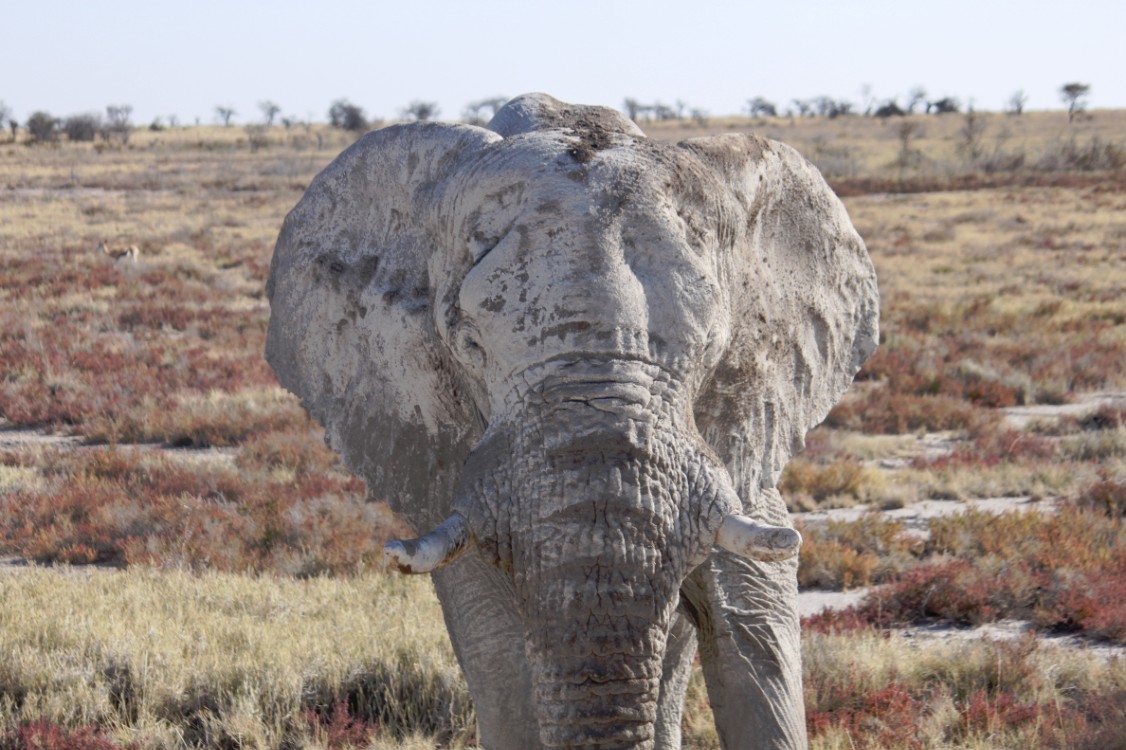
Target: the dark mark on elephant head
(592, 137)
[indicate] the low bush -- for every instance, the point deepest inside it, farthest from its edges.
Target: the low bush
(128, 506)
(993, 447)
(1107, 496)
(83, 127)
(1072, 155)
(884, 411)
(810, 483)
(1064, 571)
(845, 555)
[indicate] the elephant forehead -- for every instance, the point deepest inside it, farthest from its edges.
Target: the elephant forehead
(557, 174)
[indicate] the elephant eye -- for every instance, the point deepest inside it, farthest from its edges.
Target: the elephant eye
(488, 231)
(481, 245)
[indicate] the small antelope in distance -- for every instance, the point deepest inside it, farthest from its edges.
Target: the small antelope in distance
(130, 252)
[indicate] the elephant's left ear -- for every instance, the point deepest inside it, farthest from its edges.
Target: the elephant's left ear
(804, 309)
(352, 329)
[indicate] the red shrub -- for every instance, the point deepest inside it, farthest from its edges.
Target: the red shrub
(832, 621)
(889, 717)
(954, 591)
(885, 411)
(1106, 496)
(1091, 601)
(127, 506)
(1065, 571)
(993, 447)
(1098, 723)
(990, 712)
(338, 730)
(43, 735)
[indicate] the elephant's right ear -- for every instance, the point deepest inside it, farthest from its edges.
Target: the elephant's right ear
(804, 309)
(352, 329)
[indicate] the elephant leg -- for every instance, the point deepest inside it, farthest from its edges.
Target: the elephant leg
(675, 673)
(750, 649)
(488, 639)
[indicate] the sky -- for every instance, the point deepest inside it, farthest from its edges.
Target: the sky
(186, 58)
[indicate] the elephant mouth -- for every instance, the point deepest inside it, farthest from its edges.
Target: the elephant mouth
(592, 394)
(562, 375)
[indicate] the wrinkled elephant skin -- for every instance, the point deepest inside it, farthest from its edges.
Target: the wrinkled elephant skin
(580, 359)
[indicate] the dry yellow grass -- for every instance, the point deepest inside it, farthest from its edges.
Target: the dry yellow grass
(159, 656)
(171, 659)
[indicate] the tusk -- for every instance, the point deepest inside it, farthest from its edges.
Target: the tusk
(427, 553)
(755, 541)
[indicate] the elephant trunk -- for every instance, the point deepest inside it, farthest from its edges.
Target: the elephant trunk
(596, 506)
(597, 526)
(596, 638)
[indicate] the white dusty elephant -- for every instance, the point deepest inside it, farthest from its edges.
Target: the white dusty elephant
(582, 358)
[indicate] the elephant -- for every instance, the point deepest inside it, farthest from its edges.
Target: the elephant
(576, 361)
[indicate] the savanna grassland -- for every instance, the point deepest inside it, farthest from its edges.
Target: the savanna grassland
(189, 566)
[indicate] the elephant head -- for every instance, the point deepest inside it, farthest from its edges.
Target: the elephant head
(582, 358)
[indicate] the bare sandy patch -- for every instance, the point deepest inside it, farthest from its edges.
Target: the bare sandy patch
(18, 438)
(1019, 417)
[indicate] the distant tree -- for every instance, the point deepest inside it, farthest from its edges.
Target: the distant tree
(1016, 102)
(156, 125)
(1074, 95)
(805, 107)
(482, 110)
(760, 107)
(224, 114)
(828, 107)
(42, 127)
(117, 126)
(916, 97)
(699, 116)
(84, 127)
(890, 108)
(632, 108)
(906, 130)
(969, 135)
(944, 106)
(270, 110)
(343, 114)
(421, 111)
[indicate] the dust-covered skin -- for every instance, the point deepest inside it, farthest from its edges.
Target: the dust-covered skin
(582, 358)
